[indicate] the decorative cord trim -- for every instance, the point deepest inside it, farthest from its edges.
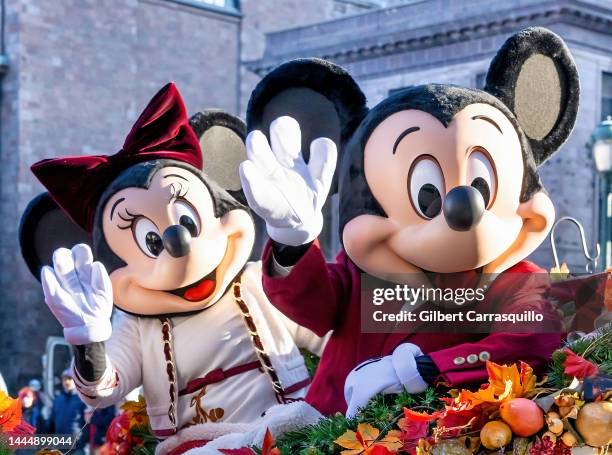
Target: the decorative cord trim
(170, 368)
(263, 356)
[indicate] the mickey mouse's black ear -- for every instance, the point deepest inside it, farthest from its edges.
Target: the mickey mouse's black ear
(44, 227)
(321, 96)
(222, 138)
(535, 75)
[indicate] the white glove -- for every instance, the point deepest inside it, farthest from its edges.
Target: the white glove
(79, 293)
(389, 374)
(281, 188)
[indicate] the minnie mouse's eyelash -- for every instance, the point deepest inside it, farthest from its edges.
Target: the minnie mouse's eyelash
(179, 193)
(129, 218)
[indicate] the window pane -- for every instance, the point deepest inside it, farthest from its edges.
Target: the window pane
(481, 80)
(220, 3)
(606, 95)
(228, 4)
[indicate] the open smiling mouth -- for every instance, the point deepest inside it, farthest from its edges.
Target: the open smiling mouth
(198, 291)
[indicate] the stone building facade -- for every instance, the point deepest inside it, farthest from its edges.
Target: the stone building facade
(449, 41)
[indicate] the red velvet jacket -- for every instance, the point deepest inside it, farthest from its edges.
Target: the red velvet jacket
(324, 297)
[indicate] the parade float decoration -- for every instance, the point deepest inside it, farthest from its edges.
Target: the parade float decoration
(11, 422)
(130, 432)
(570, 409)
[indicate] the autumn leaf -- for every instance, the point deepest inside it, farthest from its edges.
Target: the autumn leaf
(457, 418)
(414, 426)
(267, 447)
(487, 395)
(522, 378)
(10, 412)
(137, 407)
(137, 412)
(577, 366)
(364, 441)
(23, 428)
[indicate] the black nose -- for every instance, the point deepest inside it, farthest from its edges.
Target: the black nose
(177, 240)
(463, 208)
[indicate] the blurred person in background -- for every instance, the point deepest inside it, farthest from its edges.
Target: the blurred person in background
(99, 420)
(68, 414)
(31, 408)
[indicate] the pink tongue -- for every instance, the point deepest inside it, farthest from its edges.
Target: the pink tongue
(200, 292)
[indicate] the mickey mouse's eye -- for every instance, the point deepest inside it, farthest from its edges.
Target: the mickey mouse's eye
(147, 237)
(188, 217)
(426, 187)
(481, 175)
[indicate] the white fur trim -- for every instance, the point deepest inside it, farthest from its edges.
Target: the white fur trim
(279, 419)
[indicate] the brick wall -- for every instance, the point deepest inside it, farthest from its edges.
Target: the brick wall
(81, 72)
(264, 17)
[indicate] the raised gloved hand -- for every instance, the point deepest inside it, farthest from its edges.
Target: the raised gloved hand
(390, 374)
(281, 188)
(79, 293)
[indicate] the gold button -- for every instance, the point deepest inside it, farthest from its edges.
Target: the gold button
(459, 360)
(472, 358)
(484, 356)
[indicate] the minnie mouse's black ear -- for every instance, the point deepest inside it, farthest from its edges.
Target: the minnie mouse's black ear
(535, 75)
(222, 138)
(321, 96)
(43, 228)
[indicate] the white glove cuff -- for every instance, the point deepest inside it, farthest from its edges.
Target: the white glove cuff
(99, 330)
(298, 235)
(405, 366)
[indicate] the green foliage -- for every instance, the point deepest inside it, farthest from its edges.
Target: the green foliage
(382, 412)
(149, 442)
(596, 349)
(311, 361)
(4, 449)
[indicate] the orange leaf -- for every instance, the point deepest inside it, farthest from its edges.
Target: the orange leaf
(136, 407)
(505, 382)
(523, 380)
(487, 395)
(363, 441)
(10, 412)
(414, 416)
(268, 443)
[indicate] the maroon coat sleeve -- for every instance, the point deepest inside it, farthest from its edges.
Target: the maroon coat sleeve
(465, 363)
(522, 289)
(314, 294)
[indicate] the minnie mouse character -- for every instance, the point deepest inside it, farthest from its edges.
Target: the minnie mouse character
(194, 327)
(436, 182)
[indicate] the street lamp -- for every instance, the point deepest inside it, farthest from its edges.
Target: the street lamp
(601, 142)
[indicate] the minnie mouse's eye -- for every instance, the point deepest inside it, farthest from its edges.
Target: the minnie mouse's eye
(147, 237)
(481, 175)
(187, 217)
(426, 187)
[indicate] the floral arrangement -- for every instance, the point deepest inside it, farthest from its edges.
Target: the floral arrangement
(511, 413)
(11, 421)
(129, 433)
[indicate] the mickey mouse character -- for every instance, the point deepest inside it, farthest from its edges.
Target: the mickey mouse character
(436, 181)
(193, 325)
